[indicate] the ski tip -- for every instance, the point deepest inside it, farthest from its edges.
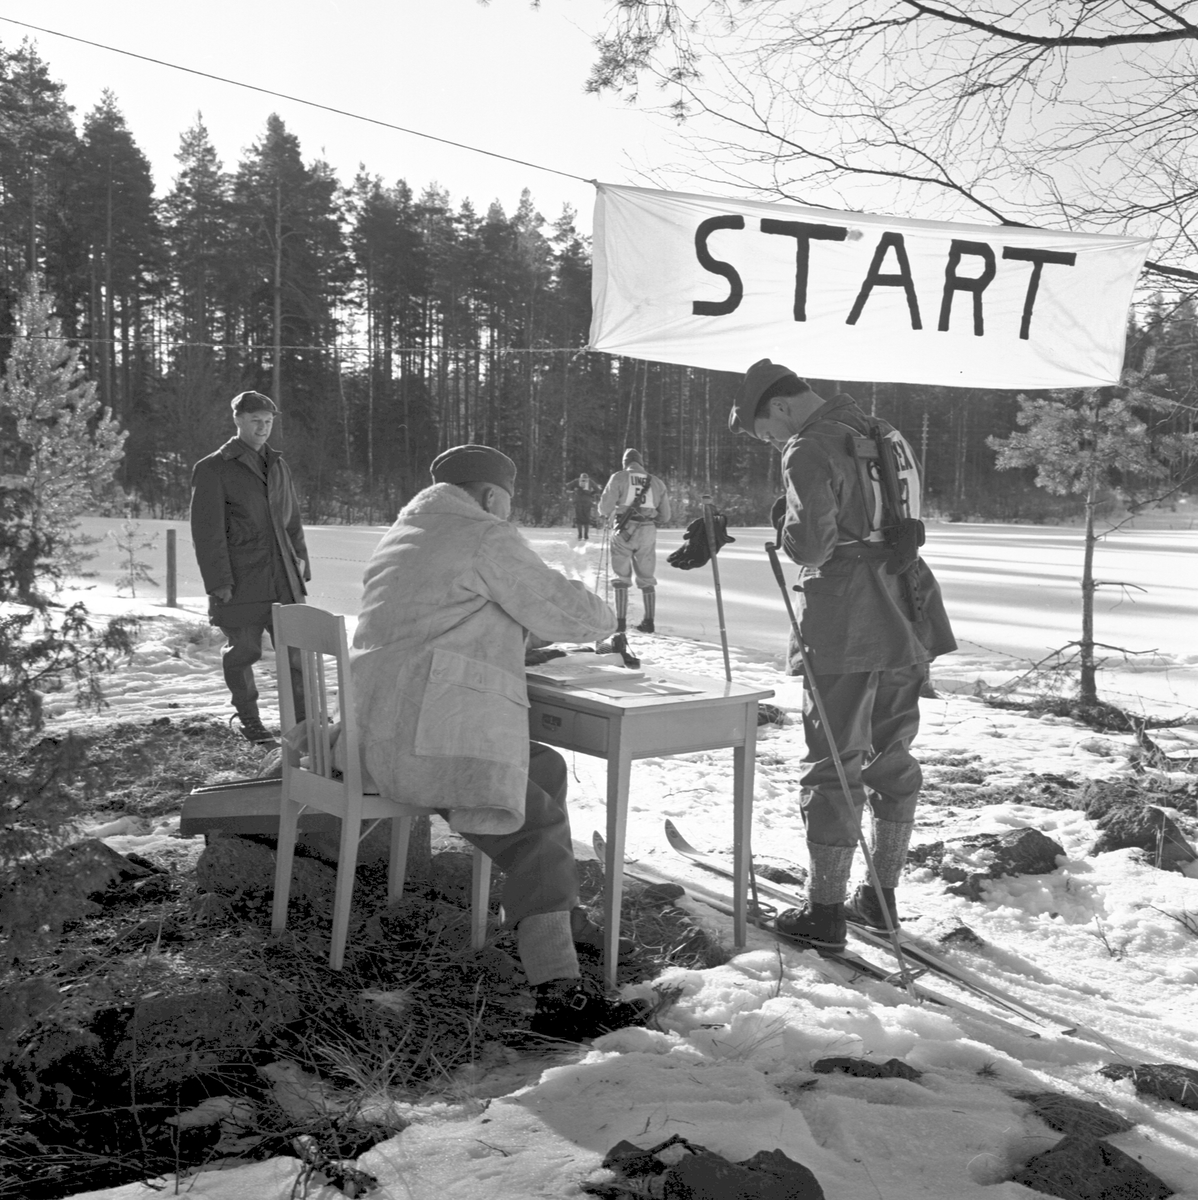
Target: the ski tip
(675, 838)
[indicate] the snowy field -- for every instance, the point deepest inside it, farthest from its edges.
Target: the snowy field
(1099, 942)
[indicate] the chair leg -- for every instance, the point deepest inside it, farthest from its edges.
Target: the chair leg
(401, 835)
(284, 858)
(347, 864)
(480, 893)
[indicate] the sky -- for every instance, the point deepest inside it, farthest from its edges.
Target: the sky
(502, 77)
(1098, 945)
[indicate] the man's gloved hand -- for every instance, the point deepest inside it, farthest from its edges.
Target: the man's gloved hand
(778, 519)
(694, 551)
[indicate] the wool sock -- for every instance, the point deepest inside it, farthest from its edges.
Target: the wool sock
(889, 849)
(830, 867)
(545, 943)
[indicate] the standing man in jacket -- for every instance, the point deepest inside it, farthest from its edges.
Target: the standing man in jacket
(450, 594)
(249, 543)
(638, 504)
(868, 649)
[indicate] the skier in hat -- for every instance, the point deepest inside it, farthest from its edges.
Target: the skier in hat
(583, 489)
(868, 650)
(638, 503)
(438, 665)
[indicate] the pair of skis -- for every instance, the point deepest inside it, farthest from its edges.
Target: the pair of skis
(926, 959)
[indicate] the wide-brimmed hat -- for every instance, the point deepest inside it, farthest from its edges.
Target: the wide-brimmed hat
(759, 378)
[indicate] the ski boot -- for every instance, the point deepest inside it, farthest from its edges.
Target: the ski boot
(864, 907)
(820, 926)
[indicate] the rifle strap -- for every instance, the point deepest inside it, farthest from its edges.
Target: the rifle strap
(637, 500)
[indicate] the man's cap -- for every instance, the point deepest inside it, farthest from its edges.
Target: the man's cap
(759, 378)
(248, 402)
(475, 464)
(632, 456)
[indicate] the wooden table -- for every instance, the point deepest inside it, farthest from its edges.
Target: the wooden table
(663, 713)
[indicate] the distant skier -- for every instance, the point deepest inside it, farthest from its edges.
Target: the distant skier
(584, 490)
(871, 619)
(639, 503)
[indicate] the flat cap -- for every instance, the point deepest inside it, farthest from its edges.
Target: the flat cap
(475, 464)
(759, 378)
(248, 402)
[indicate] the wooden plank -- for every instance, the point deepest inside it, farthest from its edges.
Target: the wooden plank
(246, 807)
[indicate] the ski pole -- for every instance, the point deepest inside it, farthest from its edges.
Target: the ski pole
(709, 523)
(601, 566)
(809, 676)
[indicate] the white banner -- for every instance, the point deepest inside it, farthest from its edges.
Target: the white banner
(720, 283)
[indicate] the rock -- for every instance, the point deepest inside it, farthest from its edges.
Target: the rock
(1168, 1081)
(662, 893)
(1015, 852)
(94, 865)
(957, 934)
(864, 1068)
(1085, 1168)
(679, 1170)
(788, 877)
(241, 869)
(1068, 1114)
(1145, 827)
(172, 1036)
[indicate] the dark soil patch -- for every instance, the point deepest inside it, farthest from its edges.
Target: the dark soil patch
(168, 997)
(148, 769)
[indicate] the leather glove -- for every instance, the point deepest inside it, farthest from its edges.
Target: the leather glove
(694, 551)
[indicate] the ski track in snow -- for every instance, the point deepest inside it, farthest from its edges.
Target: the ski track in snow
(1093, 942)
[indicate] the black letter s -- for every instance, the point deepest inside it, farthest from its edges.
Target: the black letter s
(736, 289)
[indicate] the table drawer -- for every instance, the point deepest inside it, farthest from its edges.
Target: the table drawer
(560, 726)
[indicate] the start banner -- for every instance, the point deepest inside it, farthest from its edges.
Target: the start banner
(719, 283)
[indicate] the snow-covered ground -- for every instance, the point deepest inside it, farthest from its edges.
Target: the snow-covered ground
(1098, 942)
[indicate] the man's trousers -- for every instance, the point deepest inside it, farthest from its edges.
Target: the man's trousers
(634, 553)
(874, 717)
(537, 860)
(242, 650)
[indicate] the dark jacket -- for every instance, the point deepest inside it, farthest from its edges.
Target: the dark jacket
(245, 525)
(852, 615)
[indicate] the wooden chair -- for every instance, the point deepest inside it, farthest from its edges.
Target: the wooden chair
(313, 783)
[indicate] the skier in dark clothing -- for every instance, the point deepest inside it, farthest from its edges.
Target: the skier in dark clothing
(868, 650)
(584, 490)
(249, 543)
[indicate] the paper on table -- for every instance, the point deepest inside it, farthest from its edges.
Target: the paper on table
(566, 672)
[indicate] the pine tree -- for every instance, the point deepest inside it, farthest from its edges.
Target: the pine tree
(58, 445)
(1085, 443)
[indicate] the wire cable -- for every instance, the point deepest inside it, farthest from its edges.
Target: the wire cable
(253, 87)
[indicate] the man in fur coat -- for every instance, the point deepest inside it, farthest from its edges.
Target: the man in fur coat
(451, 594)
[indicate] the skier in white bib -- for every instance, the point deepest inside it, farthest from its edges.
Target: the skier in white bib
(638, 503)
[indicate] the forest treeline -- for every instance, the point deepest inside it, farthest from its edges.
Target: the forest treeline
(389, 323)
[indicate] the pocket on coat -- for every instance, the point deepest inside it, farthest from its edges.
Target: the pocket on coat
(824, 582)
(473, 709)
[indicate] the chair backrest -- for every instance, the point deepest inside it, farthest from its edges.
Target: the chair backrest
(317, 636)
